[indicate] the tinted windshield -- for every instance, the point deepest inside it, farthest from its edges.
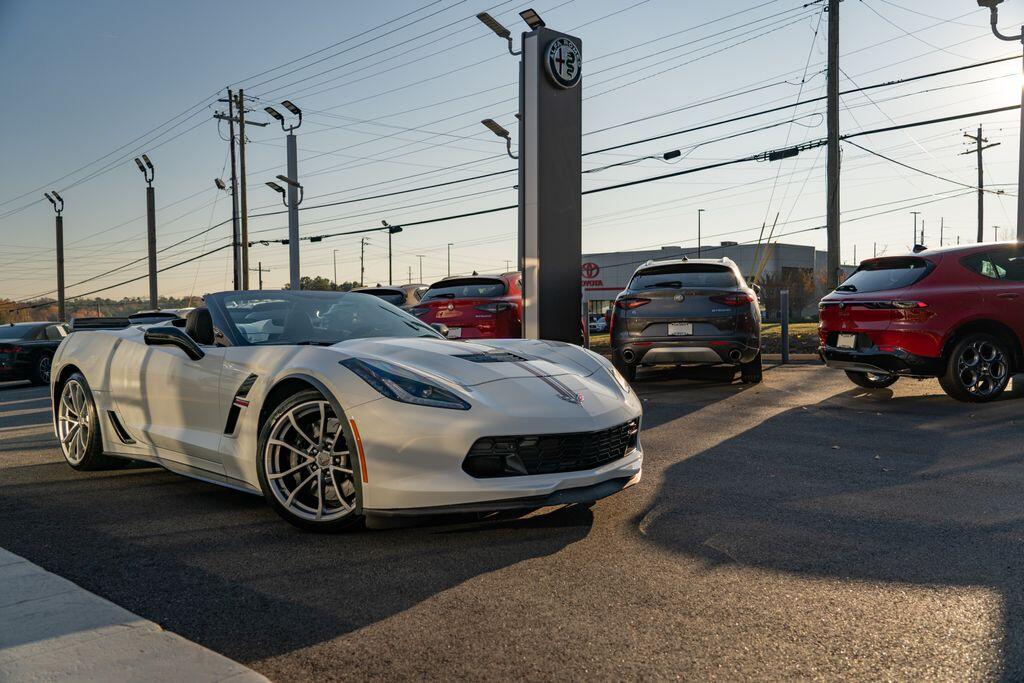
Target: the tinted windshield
(882, 274)
(684, 275)
(284, 317)
(392, 296)
(466, 288)
(17, 331)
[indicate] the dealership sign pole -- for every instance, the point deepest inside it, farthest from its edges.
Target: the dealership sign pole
(550, 182)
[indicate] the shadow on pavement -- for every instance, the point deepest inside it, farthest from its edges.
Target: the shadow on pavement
(940, 504)
(220, 568)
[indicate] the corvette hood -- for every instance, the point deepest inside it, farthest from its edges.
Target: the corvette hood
(471, 364)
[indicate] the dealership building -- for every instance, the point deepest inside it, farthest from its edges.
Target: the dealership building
(605, 275)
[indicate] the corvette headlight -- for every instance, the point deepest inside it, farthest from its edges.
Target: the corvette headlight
(399, 384)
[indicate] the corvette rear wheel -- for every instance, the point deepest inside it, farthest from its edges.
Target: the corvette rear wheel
(307, 471)
(78, 427)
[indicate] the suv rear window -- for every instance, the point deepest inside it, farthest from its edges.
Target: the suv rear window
(466, 288)
(887, 273)
(681, 275)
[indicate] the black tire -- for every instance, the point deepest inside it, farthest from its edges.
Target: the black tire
(82, 445)
(41, 371)
(978, 368)
(870, 380)
(307, 461)
(752, 372)
(625, 369)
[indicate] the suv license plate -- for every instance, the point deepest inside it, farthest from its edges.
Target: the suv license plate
(454, 332)
(847, 341)
(680, 329)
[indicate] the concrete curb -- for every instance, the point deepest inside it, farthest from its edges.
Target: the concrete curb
(52, 629)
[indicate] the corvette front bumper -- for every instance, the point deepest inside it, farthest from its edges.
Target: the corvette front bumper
(414, 465)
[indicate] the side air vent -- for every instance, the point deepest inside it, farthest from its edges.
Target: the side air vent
(496, 357)
(237, 404)
(119, 429)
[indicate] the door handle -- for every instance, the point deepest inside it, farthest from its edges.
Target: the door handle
(1008, 295)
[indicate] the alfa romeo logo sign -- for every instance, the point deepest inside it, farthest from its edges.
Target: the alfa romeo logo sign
(564, 63)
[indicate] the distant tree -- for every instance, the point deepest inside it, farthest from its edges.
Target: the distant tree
(320, 283)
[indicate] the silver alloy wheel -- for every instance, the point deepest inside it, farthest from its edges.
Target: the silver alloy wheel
(44, 368)
(73, 422)
(308, 465)
(982, 368)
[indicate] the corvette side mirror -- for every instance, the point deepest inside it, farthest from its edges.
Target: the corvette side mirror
(172, 336)
(441, 328)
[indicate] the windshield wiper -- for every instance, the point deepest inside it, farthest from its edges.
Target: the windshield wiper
(670, 283)
(846, 288)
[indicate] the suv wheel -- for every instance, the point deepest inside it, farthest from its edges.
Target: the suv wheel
(978, 369)
(751, 373)
(872, 380)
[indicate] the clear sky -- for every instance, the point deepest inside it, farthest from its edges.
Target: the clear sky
(89, 85)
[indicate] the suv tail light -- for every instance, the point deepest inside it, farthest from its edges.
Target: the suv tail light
(634, 302)
(909, 304)
(733, 299)
(495, 308)
(7, 352)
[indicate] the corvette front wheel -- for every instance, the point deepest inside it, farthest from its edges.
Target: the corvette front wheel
(307, 470)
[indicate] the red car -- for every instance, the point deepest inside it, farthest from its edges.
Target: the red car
(475, 307)
(955, 313)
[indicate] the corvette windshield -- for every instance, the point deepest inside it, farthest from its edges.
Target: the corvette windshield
(283, 317)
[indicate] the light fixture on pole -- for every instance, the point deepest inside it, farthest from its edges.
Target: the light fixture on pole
(58, 207)
(532, 19)
(148, 172)
(220, 184)
(993, 7)
(392, 229)
(294, 189)
(502, 32)
(493, 126)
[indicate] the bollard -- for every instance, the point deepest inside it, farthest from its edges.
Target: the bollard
(784, 319)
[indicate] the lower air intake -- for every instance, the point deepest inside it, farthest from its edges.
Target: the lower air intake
(511, 456)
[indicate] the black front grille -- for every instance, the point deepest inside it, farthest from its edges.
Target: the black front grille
(510, 456)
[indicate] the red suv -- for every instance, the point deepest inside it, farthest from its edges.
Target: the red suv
(955, 313)
(475, 307)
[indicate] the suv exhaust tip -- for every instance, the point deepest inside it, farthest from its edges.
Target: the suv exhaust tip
(735, 355)
(629, 355)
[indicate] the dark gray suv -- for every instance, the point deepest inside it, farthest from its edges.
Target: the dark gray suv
(687, 312)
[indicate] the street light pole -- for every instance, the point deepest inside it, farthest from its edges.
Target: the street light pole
(992, 6)
(148, 172)
(294, 190)
(392, 229)
(914, 240)
(335, 267)
(420, 257)
(58, 207)
(449, 259)
(699, 212)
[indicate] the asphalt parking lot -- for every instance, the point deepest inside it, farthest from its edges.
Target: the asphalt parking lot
(801, 528)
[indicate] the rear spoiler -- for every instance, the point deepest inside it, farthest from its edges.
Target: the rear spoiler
(78, 324)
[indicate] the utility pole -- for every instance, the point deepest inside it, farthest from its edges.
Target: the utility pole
(58, 208)
(362, 260)
(995, 233)
(832, 162)
(259, 269)
(979, 142)
(913, 241)
(235, 237)
(942, 230)
(148, 172)
(699, 212)
(449, 259)
(244, 233)
(855, 254)
(335, 267)
(410, 275)
(874, 250)
(922, 232)
(420, 257)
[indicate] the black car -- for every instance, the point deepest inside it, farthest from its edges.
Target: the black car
(26, 350)
(687, 312)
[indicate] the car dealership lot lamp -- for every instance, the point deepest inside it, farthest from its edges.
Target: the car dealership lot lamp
(148, 172)
(58, 207)
(993, 7)
(294, 188)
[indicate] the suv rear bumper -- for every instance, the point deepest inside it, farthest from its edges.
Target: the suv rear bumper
(730, 351)
(898, 362)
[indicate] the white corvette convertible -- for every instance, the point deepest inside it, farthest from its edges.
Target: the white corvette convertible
(340, 407)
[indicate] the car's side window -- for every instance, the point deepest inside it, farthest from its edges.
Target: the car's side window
(55, 332)
(1000, 264)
